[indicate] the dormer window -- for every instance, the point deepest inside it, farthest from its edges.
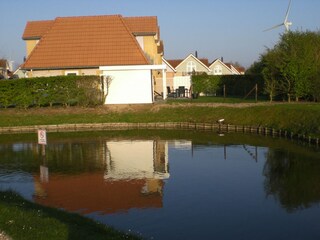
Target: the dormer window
(191, 66)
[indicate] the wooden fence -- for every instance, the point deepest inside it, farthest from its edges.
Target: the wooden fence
(214, 127)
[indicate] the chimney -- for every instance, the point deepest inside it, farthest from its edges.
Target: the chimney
(221, 59)
(196, 54)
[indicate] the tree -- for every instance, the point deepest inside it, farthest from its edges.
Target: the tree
(205, 84)
(270, 74)
(292, 66)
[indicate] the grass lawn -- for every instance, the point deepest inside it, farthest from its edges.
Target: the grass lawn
(21, 219)
(208, 99)
(302, 118)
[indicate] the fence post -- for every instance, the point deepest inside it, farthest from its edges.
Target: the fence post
(256, 92)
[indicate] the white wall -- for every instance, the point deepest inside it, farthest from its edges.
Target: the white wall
(182, 81)
(136, 162)
(129, 87)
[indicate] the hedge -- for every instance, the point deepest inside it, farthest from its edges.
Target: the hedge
(235, 85)
(48, 91)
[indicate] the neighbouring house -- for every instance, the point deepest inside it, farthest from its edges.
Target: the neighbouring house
(179, 72)
(125, 51)
(19, 73)
(5, 69)
(190, 65)
(218, 67)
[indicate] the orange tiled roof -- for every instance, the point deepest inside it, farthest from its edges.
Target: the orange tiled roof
(36, 29)
(74, 42)
(142, 25)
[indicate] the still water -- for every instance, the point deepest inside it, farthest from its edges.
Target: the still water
(199, 186)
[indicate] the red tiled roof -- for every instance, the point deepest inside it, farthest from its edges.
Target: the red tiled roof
(142, 25)
(86, 42)
(228, 65)
(205, 61)
(36, 29)
(175, 63)
(3, 63)
(240, 69)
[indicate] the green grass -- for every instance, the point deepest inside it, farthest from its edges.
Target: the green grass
(208, 99)
(21, 219)
(300, 118)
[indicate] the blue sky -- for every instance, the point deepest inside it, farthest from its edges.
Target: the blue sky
(230, 29)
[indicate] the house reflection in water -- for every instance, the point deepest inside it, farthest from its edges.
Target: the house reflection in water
(133, 177)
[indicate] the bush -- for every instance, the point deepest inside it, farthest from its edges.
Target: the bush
(235, 85)
(47, 91)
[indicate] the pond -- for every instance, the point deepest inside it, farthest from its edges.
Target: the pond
(172, 185)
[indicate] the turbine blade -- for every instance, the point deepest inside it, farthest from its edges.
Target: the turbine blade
(279, 25)
(287, 14)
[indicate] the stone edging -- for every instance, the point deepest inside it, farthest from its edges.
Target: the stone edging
(161, 125)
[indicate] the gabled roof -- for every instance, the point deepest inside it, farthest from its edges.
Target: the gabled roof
(174, 63)
(169, 65)
(222, 63)
(74, 42)
(205, 61)
(201, 62)
(36, 29)
(233, 68)
(143, 25)
(241, 70)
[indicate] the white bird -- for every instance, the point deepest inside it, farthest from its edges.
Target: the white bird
(221, 120)
(285, 23)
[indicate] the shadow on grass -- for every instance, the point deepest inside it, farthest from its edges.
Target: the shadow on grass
(21, 219)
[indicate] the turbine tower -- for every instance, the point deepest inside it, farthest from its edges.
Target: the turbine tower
(285, 23)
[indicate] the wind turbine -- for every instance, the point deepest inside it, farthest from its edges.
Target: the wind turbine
(285, 23)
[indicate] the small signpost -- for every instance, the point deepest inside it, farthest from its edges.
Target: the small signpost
(42, 141)
(42, 137)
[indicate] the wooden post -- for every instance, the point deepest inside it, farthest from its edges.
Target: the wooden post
(256, 92)
(224, 90)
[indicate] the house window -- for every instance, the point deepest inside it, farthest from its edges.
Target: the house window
(71, 73)
(217, 70)
(191, 66)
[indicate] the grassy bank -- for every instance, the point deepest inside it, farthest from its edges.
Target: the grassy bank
(303, 118)
(21, 219)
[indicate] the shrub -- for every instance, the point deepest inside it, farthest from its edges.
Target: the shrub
(47, 91)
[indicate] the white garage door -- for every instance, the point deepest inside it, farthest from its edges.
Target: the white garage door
(129, 87)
